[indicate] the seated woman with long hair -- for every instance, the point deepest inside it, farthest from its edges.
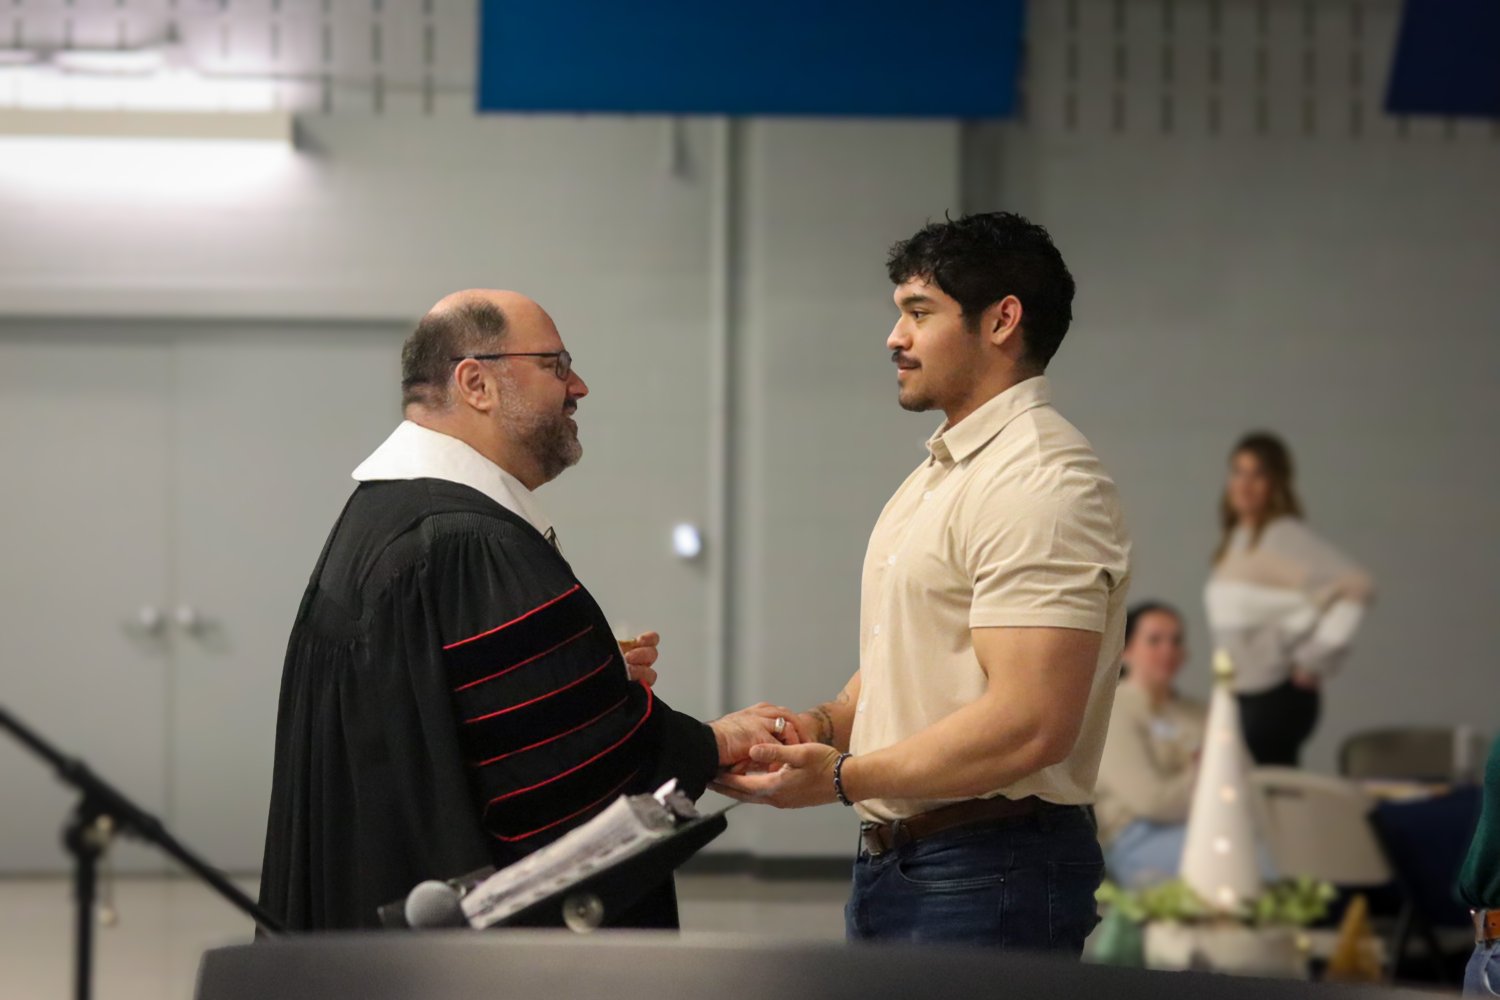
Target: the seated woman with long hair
(1150, 760)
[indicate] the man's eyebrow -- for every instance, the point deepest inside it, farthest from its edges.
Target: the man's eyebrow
(915, 300)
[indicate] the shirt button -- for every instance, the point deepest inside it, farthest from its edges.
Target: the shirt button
(876, 630)
(927, 495)
(890, 561)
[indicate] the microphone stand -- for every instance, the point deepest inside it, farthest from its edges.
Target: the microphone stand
(102, 813)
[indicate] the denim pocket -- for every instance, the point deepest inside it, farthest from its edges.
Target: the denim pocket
(951, 867)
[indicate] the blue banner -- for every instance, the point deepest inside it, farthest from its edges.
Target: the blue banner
(933, 58)
(1447, 60)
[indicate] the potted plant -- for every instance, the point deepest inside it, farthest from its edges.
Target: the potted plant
(1259, 936)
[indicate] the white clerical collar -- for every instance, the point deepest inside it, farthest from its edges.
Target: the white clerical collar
(416, 452)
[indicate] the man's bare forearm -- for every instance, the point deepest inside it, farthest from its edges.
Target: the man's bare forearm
(822, 727)
(831, 722)
(1029, 717)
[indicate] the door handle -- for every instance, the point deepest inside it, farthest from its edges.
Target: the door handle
(150, 620)
(188, 619)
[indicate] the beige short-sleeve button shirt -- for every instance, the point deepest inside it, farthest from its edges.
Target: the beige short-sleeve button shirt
(1011, 521)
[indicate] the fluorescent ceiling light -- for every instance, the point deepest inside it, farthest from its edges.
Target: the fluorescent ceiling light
(109, 173)
(255, 126)
(36, 87)
(110, 62)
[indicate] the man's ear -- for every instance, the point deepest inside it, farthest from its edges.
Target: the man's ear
(472, 384)
(1002, 322)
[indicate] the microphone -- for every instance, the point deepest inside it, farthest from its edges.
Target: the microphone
(433, 904)
(427, 903)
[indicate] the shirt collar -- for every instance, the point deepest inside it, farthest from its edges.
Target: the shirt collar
(951, 445)
(416, 452)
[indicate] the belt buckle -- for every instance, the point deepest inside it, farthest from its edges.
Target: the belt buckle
(1482, 935)
(869, 837)
(875, 843)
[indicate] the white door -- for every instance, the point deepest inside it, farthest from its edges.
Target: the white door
(270, 421)
(85, 416)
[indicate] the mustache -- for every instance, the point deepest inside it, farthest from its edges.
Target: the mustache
(905, 360)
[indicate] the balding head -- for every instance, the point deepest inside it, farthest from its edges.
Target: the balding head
(475, 321)
(489, 368)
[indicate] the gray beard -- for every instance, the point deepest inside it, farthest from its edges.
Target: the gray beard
(563, 447)
(548, 438)
(554, 445)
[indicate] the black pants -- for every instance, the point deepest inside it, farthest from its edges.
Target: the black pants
(1277, 722)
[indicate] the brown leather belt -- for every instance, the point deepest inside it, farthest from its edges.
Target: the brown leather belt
(1486, 926)
(881, 838)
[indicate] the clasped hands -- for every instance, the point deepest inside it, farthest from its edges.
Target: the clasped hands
(757, 763)
(760, 766)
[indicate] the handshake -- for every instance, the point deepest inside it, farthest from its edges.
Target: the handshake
(735, 733)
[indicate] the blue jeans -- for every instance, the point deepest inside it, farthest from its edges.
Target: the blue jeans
(1025, 885)
(1483, 977)
(1145, 853)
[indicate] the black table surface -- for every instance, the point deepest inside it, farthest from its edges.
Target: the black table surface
(623, 965)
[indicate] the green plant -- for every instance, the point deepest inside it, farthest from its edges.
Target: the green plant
(1165, 901)
(1289, 903)
(1298, 902)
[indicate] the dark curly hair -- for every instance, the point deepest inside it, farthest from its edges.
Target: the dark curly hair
(980, 259)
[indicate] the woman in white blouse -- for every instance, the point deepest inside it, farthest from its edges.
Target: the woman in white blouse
(1282, 602)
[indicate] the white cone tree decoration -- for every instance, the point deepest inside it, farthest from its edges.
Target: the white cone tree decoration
(1220, 861)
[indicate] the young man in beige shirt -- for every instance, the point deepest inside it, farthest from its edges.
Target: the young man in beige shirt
(991, 621)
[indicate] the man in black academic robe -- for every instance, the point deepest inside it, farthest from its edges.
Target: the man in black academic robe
(452, 697)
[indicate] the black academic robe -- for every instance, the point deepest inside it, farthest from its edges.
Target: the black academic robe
(452, 698)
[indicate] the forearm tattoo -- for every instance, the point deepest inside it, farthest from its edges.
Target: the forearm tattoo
(825, 725)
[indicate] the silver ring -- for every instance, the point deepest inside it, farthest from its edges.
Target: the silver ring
(780, 726)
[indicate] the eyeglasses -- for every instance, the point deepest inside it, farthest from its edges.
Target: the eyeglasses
(562, 365)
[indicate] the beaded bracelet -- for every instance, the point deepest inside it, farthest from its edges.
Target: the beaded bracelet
(838, 778)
